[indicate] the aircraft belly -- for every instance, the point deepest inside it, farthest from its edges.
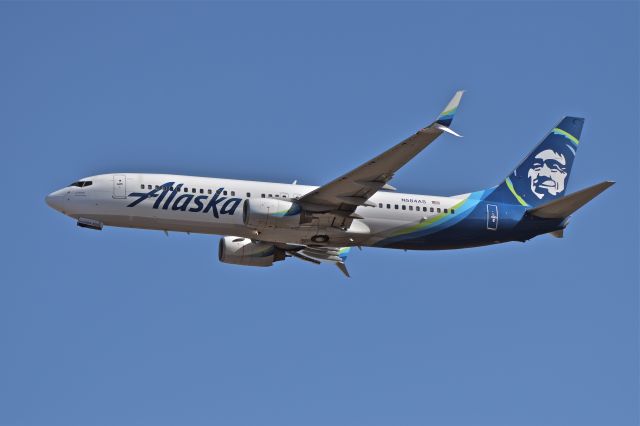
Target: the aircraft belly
(171, 224)
(117, 213)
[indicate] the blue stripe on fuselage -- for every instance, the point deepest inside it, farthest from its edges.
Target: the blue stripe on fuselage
(469, 228)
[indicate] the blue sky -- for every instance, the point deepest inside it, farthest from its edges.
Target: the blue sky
(131, 327)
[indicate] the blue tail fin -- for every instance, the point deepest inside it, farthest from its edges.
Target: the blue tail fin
(543, 175)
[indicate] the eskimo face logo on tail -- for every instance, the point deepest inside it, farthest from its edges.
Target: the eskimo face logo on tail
(548, 173)
(166, 197)
(543, 176)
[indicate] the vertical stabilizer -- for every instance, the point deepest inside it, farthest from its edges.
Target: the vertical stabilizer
(543, 175)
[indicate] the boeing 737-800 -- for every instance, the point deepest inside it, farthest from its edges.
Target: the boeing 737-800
(263, 222)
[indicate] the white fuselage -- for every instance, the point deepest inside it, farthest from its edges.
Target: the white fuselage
(190, 204)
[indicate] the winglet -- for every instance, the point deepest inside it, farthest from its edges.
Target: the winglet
(342, 254)
(343, 269)
(446, 116)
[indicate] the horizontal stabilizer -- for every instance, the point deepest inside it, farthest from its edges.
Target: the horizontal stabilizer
(565, 206)
(558, 234)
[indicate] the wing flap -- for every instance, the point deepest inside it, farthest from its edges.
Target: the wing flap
(318, 255)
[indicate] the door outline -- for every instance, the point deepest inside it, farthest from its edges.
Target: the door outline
(491, 226)
(119, 186)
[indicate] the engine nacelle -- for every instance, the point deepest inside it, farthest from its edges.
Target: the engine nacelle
(243, 251)
(271, 213)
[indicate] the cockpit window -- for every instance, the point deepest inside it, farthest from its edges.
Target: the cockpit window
(82, 183)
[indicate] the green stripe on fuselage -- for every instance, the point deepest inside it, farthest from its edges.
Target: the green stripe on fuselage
(424, 224)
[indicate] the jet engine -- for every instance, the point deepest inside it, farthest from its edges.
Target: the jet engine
(243, 251)
(271, 213)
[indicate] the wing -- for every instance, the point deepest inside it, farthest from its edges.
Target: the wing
(343, 195)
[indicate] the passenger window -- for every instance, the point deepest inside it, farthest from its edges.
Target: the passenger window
(411, 208)
(148, 187)
(270, 196)
(277, 196)
(141, 186)
(201, 191)
(396, 207)
(388, 206)
(380, 205)
(404, 207)
(186, 189)
(224, 192)
(431, 209)
(424, 209)
(157, 186)
(439, 210)
(233, 193)
(193, 190)
(446, 210)
(209, 191)
(248, 195)
(262, 195)
(452, 211)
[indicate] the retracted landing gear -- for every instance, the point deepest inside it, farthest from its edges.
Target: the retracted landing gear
(320, 238)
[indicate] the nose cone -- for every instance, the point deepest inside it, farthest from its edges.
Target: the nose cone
(55, 200)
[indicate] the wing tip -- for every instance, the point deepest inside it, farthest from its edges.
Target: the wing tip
(446, 116)
(343, 269)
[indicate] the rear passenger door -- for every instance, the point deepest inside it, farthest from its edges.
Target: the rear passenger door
(492, 217)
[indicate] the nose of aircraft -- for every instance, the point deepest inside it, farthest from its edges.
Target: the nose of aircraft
(55, 200)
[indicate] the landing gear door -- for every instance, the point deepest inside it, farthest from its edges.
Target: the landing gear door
(492, 217)
(119, 186)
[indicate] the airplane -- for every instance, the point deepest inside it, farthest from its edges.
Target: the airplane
(264, 222)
